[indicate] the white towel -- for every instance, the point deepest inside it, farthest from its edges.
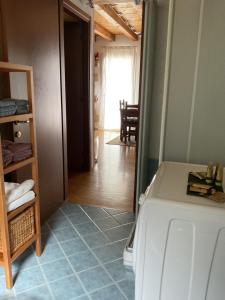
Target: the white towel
(20, 201)
(14, 191)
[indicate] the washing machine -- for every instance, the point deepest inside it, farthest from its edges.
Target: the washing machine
(178, 247)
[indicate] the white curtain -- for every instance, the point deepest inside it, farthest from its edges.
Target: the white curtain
(119, 80)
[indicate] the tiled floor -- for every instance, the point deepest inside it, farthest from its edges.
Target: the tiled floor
(82, 258)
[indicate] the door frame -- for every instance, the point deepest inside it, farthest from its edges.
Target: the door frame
(73, 10)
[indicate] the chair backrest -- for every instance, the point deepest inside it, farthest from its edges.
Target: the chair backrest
(131, 113)
(123, 104)
(134, 106)
(128, 110)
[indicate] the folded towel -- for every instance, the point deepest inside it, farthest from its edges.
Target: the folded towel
(20, 151)
(7, 157)
(22, 110)
(7, 102)
(10, 107)
(22, 106)
(7, 111)
(21, 102)
(18, 158)
(9, 186)
(6, 143)
(20, 201)
(14, 191)
(19, 147)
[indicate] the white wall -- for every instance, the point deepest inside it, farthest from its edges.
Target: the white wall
(195, 119)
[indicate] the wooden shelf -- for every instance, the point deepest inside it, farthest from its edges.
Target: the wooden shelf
(20, 250)
(1, 259)
(8, 67)
(15, 166)
(23, 248)
(15, 118)
(18, 210)
(6, 257)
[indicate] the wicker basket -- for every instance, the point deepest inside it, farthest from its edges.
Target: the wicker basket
(21, 229)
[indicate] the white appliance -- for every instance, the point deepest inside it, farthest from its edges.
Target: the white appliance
(179, 243)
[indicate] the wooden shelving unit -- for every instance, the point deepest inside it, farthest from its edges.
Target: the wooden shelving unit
(6, 255)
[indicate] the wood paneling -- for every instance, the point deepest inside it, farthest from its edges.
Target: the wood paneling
(119, 18)
(32, 32)
(104, 33)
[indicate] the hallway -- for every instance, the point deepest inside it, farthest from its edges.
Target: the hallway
(111, 182)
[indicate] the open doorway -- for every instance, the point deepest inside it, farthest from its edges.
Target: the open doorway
(110, 182)
(77, 82)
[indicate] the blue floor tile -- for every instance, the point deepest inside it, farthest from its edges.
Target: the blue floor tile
(39, 293)
(106, 223)
(118, 271)
(5, 294)
(94, 278)
(65, 234)
(125, 218)
(86, 228)
(79, 218)
(82, 298)
(95, 212)
(73, 246)
(96, 239)
(28, 278)
(70, 208)
(60, 238)
(114, 211)
(83, 260)
(108, 293)
(119, 233)
(26, 260)
(48, 238)
(127, 286)
(45, 228)
(110, 252)
(59, 269)
(58, 221)
(67, 288)
(2, 273)
(51, 252)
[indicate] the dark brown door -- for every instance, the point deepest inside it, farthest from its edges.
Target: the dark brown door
(77, 95)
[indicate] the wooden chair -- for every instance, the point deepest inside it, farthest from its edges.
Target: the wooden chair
(122, 120)
(129, 121)
(132, 118)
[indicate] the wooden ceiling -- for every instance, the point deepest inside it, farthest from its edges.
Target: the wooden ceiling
(116, 18)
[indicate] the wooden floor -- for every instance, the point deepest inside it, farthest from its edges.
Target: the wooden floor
(111, 182)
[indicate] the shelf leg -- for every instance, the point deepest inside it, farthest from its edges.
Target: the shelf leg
(38, 246)
(8, 275)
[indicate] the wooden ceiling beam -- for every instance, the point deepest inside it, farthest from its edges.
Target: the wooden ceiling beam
(104, 33)
(108, 9)
(112, 1)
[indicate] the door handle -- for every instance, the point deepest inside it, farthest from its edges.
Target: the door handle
(18, 134)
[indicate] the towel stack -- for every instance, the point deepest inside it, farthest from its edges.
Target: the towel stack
(10, 107)
(7, 157)
(20, 151)
(15, 152)
(18, 194)
(22, 107)
(7, 107)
